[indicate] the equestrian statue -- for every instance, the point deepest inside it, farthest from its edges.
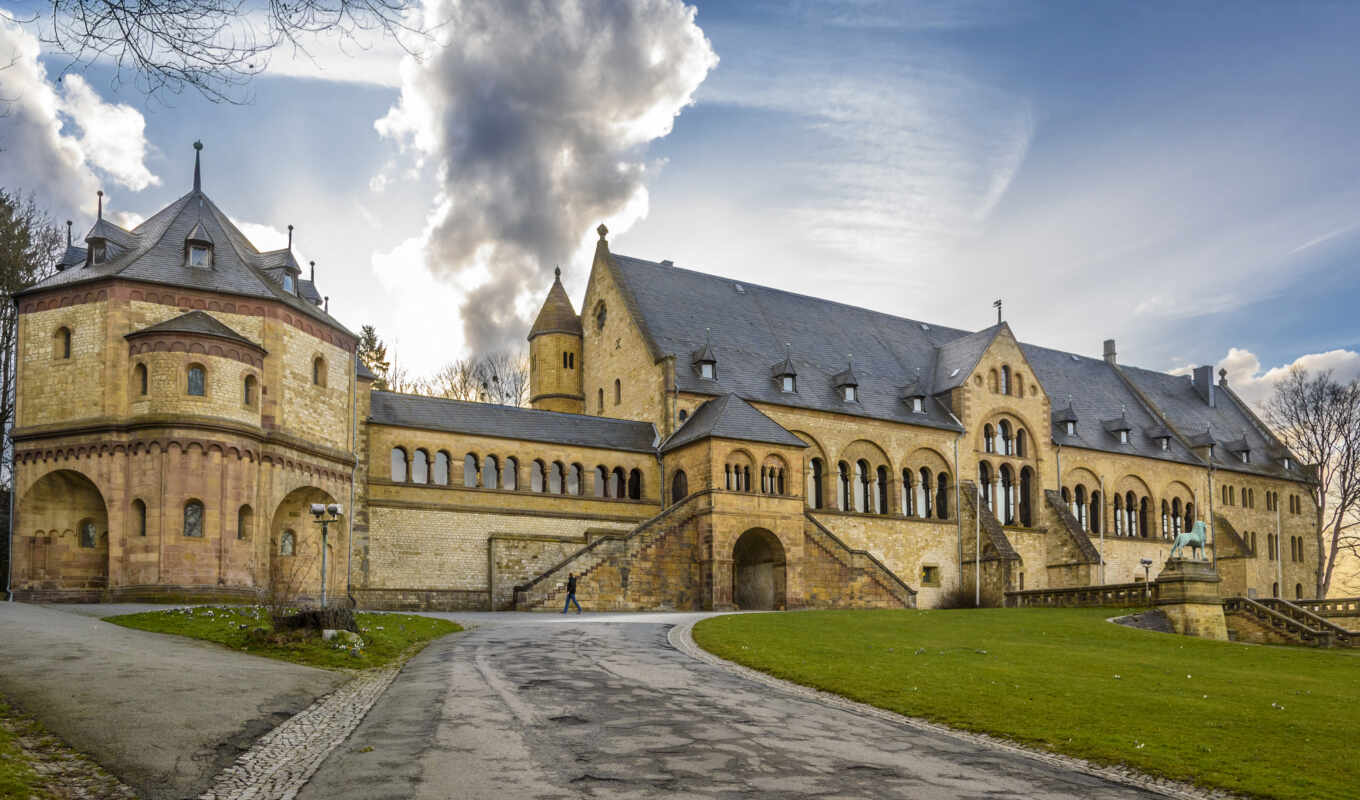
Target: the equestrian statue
(1194, 538)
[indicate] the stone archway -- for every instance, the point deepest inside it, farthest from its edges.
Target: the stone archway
(62, 534)
(758, 571)
(295, 550)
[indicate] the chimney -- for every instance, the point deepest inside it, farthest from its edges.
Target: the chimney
(68, 233)
(327, 305)
(290, 237)
(1204, 383)
(1109, 351)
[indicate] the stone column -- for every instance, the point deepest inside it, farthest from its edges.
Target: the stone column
(1187, 592)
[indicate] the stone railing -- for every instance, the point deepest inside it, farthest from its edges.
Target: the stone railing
(1340, 636)
(861, 561)
(1338, 607)
(1285, 626)
(1113, 594)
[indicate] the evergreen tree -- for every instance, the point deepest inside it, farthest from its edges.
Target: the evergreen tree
(373, 354)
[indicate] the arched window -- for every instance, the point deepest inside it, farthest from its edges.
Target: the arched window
(441, 468)
(882, 490)
(618, 391)
(843, 491)
(1026, 490)
(679, 486)
(1007, 443)
(600, 314)
(1019, 383)
(1176, 515)
(1007, 495)
(1130, 515)
(926, 505)
(1096, 511)
(988, 439)
(635, 484)
(319, 371)
(139, 381)
(1274, 589)
(470, 470)
(193, 519)
(288, 543)
(197, 380)
(61, 343)
(993, 383)
(510, 473)
(249, 390)
(557, 475)
(398, 468)
(1298, 591)
(89, 537)
(1082, 508)
(618, 482)
(538, 476)
(942, 496)
(1189, 515)
(1005, 380)
(815, 478)
(864, 498)
(1118, 515)
(420, 467)
(1166, 520)
(491, 473)
(908, 498)
(1067, 500)
(138, 518)
(601, 482)
(684, 415)
(574, 479)
(1143, 517)
(244, 518)
(1020, 447)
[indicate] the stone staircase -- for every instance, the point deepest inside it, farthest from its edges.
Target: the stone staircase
(1085, 550)
(861, 566)
(995, 545)
(548, 591)
(1276, 621)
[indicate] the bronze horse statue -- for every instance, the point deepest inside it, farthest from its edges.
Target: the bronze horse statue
(1194, 538)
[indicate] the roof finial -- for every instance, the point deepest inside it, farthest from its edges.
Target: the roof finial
(1069, 400)
(557, 273)
(313, 265)
(327, 305)
(1123, 409)
(198, 182)
(68, 233)
(101, 203)
(997, 303)
(602, 230)
(290, 237)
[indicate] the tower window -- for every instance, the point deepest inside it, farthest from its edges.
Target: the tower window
(197, 381)
(61, 344)
(193, 519)
(319, 371)
(140, 379)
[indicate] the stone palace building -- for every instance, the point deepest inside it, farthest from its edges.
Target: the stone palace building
(695, 442)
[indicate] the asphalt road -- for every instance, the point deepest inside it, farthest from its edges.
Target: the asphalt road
(542, 706)
(164, 713)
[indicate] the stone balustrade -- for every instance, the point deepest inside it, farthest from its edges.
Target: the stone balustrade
(1114, 594)
(1337, 607)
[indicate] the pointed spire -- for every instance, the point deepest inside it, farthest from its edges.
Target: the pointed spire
(101, 204)
(68, 233)
(290, 237)
(198, 181)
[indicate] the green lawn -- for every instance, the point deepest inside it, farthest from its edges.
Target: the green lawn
(1270, 721)
(386, 637)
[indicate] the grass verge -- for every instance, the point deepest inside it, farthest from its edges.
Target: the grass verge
(386, 637)
(17, 776)
(1269, 721)
(35, 765)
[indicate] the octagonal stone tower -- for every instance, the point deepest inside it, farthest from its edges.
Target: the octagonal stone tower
(555, 382)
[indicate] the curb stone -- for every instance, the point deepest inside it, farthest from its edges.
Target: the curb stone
(681, 638)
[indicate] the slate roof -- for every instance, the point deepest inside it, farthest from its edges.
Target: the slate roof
(511, 422)
(557, 314)
(198, 322)
(153, 252)
(363, 371)
(751, 324)
(730, 417)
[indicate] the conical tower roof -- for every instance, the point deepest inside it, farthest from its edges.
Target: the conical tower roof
(557, 314)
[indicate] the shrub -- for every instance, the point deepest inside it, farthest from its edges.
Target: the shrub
(316, 619)
(960, 596)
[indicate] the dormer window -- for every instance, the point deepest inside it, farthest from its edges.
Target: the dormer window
(789, 385)
(289, 285)
(1288, 464)
(706, 360)
(200, 256)
(1071, 428)
(850, 393)
(1245, 455)
(708, 371)
(1166, 442)
(99, 253)
(1123, 437)
(916, 406)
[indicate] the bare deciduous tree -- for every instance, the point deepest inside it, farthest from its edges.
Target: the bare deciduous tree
(1318, 418)
(213, 46)
(29, 248)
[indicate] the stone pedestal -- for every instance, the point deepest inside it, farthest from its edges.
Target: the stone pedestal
(1187, 591)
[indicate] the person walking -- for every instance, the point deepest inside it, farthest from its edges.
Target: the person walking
(571, 594)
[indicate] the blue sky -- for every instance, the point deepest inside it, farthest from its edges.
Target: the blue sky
(1180, 177)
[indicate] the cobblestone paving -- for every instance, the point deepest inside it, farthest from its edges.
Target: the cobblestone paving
(281, 761)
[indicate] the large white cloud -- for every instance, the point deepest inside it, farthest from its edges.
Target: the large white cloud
(535, 116)
(1255, 385)
(62, 145)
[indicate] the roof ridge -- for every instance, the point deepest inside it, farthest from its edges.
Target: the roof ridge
(524, 409)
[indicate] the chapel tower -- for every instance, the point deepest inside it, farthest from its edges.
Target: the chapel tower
(555, 339)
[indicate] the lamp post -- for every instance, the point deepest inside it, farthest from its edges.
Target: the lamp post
(320, 511)
(1147, 575)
